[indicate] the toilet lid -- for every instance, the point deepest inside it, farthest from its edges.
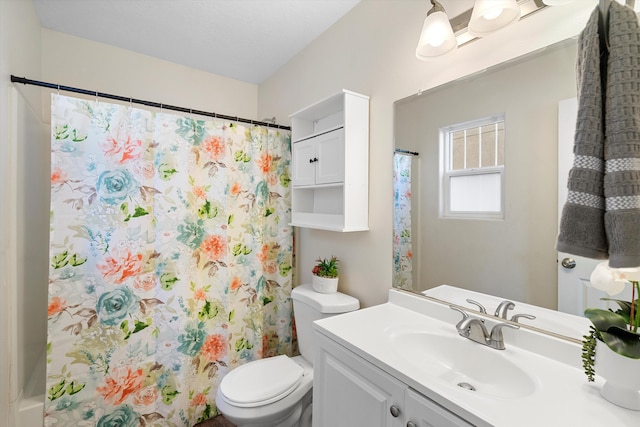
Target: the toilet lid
(261, 382)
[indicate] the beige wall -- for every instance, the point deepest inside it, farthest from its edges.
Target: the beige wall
(371, 50)
(77, 62)
(19, 53)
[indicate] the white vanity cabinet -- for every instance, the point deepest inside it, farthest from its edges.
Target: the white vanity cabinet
(330, 164)
(350, 391)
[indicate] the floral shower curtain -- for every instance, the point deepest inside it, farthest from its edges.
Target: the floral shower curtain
(170, 261)
(402, 254)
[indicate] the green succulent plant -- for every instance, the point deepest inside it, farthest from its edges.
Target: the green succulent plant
(326, 267)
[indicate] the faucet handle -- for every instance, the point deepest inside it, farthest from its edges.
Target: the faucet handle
(496, 334)
(480, 306)
(466, 319)
(471, 327)
(465, 315)
(502, 309)
(517, 317)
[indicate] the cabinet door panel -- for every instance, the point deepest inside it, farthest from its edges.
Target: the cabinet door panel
(353, 400)
(348, 392)
(425, 413)
(304, 168)
(330, 152)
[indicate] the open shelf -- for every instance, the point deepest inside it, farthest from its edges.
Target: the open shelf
(330, 183)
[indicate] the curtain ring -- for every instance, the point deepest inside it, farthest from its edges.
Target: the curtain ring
(58, 89)
(96, 97)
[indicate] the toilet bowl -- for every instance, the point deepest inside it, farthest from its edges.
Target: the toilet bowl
(249, 400)
(277, 391)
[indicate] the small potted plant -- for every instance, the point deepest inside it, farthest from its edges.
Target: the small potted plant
(325, 275)
(613, 343)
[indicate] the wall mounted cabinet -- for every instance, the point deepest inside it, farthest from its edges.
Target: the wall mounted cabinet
(330, 164)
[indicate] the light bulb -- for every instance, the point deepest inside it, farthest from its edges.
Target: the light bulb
(492, 13)
(436, 38)
(437, 34)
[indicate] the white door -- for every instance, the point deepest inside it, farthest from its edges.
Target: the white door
(575, 292)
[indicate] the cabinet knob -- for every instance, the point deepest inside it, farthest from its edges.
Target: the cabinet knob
(411, 424)
(395, 411)
(315, 159)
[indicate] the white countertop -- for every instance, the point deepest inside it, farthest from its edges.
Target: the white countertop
(562, 396)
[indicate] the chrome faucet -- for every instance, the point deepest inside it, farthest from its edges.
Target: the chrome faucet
(474, 329)
(505, 306)
(502, 309)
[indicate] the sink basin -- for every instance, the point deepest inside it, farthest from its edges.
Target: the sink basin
(460, 362)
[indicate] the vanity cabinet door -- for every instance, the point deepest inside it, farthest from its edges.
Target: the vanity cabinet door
(349, 392)
(423, 412)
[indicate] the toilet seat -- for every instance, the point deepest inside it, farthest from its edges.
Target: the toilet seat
(261, 382)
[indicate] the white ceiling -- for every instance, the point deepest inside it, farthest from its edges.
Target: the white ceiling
(247, 40)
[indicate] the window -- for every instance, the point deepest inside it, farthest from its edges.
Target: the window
(473, 169)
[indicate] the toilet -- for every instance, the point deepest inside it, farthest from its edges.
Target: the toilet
(277, 391)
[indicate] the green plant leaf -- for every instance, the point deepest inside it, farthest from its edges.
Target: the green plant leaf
(61, 132)
(604, 319)
(60, 260)
(168, 394)
(140, 212)
(237, 249)
(56, 391)
(613, 330)
(73, 388)
(208, 311)
(622, 341)
(166, 171)
(77, 260)
(168, 281)
(140, 325)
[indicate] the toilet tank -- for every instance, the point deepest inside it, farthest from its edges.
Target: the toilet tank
(309, 306)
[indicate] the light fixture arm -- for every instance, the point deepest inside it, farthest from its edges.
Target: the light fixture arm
(437, 7)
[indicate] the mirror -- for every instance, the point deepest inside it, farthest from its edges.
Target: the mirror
(513, 257)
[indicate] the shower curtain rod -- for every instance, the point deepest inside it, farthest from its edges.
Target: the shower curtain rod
(413, 153)
(26, 81)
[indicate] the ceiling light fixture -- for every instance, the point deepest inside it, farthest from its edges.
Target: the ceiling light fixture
(437, 37)
(489, 16)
